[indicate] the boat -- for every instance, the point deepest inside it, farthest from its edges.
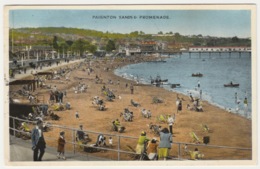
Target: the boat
(156, 61)
(197, 75)
(231, 85)
(175, 85)
(158, 80)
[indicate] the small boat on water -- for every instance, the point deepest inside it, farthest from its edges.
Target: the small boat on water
(175, 85)
(158, 80)
(231, 85)
(157, 61)
(197, 75)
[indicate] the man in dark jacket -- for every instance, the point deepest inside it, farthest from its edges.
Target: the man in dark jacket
(38, 142)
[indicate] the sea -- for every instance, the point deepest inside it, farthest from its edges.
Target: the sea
(217, 70)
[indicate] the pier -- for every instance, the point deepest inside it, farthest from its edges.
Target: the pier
(239, 53)
(219, 50)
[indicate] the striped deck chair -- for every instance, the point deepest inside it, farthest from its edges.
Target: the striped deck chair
(195, 138)
(205, 127)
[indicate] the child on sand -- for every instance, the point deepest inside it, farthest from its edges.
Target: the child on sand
(61, 146)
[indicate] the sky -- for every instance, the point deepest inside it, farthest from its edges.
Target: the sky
(221, 23)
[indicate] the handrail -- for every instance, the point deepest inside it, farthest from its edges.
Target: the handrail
(117, 149)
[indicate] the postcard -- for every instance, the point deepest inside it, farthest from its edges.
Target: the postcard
(156, 85)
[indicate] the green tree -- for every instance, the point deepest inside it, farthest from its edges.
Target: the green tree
(69, 43)
(79, 46)
(92, 48)
(160, 33)
(55, 43)
(134, 34)
(110, 46)
(63, 46)
(235, 39)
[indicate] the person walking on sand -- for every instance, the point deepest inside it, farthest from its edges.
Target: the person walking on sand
(61, 146)
(38, 142)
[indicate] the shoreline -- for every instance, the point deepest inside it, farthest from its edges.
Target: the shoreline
(183, 93)
(186, 121)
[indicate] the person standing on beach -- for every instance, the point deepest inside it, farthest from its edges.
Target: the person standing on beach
(141, 143)
(110, 142)
(38, 142)
(179, 106)
(170, 122)
(198, 84)
(77, 115)
(61, 146)
(165, 143)
(245, 106)
(132, 88)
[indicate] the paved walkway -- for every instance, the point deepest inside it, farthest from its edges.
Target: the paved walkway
(20, 150)
(28, 72)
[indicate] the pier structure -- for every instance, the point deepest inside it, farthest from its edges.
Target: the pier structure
(219, 50)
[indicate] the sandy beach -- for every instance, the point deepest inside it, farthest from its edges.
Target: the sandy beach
(226, 129)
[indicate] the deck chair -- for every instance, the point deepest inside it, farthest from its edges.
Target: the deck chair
(25, 127)
(162, 118)
(132, 155)
(195, 138)
(55, 107)
(205, 127)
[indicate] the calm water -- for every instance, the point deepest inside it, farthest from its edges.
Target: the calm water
(217, 71)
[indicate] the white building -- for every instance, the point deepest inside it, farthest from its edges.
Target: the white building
(129, 50)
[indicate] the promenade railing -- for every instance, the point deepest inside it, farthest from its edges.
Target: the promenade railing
(124, 146)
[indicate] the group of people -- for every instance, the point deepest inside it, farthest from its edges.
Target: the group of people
(56, 96)
(154, 150)
(39, 144)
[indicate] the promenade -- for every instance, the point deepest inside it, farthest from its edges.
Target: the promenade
(20, 150)
(46, 68)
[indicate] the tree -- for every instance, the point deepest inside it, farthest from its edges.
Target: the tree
(79, 46)
(63, 46)
(92, 48)
(235, 39)
(55, 43)
(160, 33)
(141, 33)
(69, 42)
(110, 46)
(134, 34)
